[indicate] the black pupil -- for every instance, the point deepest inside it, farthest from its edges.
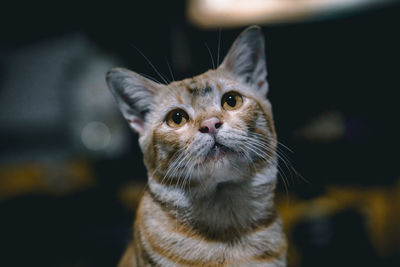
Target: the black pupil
(231, 100)
(177, 117)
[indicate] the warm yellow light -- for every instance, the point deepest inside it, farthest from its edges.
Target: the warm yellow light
(228, 13)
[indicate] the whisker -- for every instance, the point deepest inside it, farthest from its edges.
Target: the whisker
(272, 139)
(188, 180)
(178, 166)
(256, 146)
(249, 160)
(219, 45)
(151, 64)
(174, 164)
(281, 155)
(284, 180)
(209, 51)
(188, 173)
(170, 70)
(149, 77)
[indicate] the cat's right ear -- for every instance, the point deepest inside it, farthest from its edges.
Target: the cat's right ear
(246, 59)
(134, 95)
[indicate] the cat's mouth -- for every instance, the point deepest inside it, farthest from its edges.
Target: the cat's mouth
(218, 151)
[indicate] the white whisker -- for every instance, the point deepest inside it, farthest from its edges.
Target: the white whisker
(209, 51)
(151, 64)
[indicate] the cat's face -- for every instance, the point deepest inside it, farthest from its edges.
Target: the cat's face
(208, 129)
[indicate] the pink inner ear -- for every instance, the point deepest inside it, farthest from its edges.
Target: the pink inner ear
(260, 83)
(136, 121)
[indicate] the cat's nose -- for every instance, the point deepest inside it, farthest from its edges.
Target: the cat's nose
(210, 125)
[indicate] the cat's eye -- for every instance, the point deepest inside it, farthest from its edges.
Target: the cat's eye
(231, 101)
(177, 118)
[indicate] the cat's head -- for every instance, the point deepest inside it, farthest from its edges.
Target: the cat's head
(211, 128)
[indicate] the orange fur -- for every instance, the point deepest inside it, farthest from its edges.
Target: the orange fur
(210, 199)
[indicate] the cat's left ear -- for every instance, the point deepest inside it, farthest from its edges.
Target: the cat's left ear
(246, 59)
(134, 95)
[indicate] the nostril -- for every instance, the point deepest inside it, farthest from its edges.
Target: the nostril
(210, 125)
(204, 129)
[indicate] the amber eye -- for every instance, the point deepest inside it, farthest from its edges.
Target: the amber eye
(177, 118)
(231, 101)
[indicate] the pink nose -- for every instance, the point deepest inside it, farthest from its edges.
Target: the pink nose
(210, 125)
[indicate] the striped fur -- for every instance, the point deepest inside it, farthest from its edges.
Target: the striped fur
(205, 206)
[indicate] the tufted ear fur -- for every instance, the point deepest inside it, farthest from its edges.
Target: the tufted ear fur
(246, 59)
(134, 96)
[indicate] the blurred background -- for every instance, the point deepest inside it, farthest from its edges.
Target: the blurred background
(71, 171)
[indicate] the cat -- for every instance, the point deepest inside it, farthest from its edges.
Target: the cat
(209, 146)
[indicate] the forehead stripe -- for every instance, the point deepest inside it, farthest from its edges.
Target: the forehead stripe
(201, 92)
(206, 90)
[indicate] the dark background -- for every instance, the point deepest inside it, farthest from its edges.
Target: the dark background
(346, 65)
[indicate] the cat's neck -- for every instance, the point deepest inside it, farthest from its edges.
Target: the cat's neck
(225, 209)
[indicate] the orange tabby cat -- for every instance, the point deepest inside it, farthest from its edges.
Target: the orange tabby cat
(209, 145)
